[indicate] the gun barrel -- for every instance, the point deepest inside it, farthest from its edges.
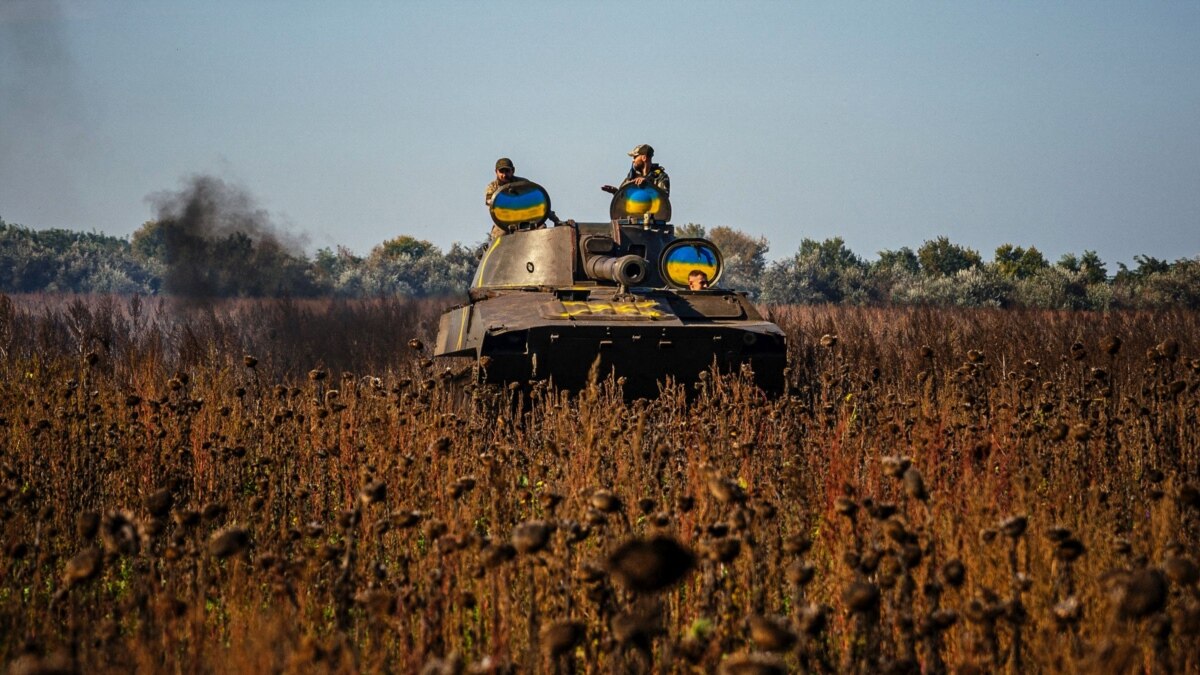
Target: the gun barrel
(626, 269)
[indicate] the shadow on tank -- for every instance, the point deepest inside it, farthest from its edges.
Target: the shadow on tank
(550, 303)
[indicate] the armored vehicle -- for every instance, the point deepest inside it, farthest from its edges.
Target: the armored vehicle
(555, 302)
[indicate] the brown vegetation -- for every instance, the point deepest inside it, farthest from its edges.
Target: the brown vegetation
(296, 487)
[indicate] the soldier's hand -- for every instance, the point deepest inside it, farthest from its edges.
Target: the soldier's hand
(609, 189)
(639, 180)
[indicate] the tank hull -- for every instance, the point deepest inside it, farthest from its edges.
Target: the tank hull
(644, 339)
(641, 359)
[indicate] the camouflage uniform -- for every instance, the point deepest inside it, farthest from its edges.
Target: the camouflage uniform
(656, 176)
(495, 185)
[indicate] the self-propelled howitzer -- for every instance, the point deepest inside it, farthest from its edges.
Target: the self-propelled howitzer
(548, 303)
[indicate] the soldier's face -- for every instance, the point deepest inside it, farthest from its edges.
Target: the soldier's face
(504, 174)
(640, 161)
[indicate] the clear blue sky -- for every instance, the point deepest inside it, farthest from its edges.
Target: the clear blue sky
(1061, 125)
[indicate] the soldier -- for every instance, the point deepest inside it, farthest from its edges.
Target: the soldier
(697, 280)
(505, 174)
(643, 170)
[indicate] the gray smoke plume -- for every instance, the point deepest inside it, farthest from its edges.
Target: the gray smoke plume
(44, 120)
(215, 241)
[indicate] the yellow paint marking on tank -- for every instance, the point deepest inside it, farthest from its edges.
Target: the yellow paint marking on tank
(645, 308)
(463, 314)
(484, 261)
(576, 307)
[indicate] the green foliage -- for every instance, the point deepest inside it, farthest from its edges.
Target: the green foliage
(831, 254)
(745, 257)
(149, 241)
(820, 272)
(972, 287)
(1158, 284)
(158, 258)
(903, 260)
(891, 272)
(59, 260)
(1089, 265)
(944, 274)
(410, 267)
(941, 258)
(405, 246)
(1148, 266)
(1014, 262)
(1054, 287)
(939, 273)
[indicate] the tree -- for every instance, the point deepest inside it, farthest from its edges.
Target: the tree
(406, 246)
(1090, 266)
(1015, 262)
(831, 254)
(894, 271)
(333, 268)
(413, 267)
(1148, 266)
(58, 260)
(824, 271)
(1053, 287)
(149, 241)
(745, 258)
(942, 258)
(1177, 286)
(901, 260)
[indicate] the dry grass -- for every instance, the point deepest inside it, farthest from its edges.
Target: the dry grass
(292, 487)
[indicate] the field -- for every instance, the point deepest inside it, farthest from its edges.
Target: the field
(296, 487)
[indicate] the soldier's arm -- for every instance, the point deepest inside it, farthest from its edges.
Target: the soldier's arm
(663, 182)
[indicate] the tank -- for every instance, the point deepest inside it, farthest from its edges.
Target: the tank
(552, 303)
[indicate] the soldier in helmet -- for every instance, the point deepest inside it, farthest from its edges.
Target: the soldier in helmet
(642, 171)
(506, 174)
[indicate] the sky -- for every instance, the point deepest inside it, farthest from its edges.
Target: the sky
(1067, 126)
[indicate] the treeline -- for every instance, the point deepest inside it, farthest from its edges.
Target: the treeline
(158, 259)
(942, 273)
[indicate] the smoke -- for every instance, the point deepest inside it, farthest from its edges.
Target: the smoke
(215, 241)
(44, 120)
